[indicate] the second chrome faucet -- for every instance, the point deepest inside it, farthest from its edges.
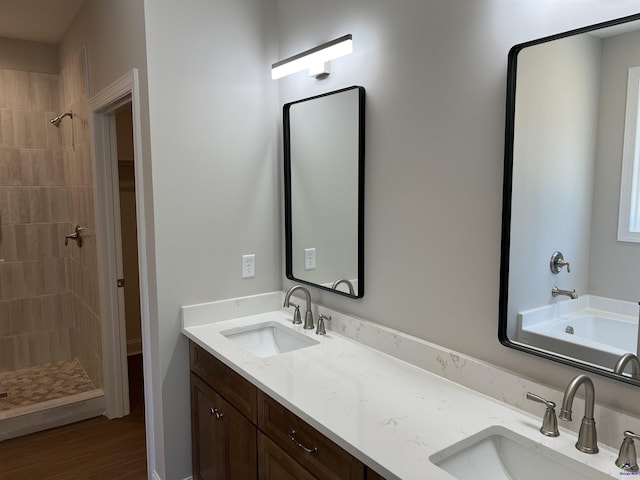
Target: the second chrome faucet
(587, 437)
(308, 316)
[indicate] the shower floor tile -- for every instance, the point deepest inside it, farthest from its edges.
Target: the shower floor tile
(42, 383)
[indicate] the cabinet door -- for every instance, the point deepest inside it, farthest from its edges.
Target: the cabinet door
(223, 440)
(319, 455)
(275, 464)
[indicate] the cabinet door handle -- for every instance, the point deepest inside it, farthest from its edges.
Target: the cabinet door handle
(292, 436)
(216, 413)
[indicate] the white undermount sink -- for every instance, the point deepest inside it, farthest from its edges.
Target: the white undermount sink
(268, 338)
(498, 453)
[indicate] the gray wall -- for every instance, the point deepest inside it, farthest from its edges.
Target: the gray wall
(435, 74)
(614, 265)
(554, 157)
(29, 56)
(216, 175)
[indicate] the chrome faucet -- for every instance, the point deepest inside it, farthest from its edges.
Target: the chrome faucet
(587, 437)
(346, 282)
(555, 291)
(308, 316)
(622, 362)
(627, 459)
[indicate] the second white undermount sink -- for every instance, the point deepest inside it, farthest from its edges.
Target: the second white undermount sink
(500, 454)
(268, 338)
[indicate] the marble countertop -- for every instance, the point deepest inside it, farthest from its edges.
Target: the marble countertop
(391, 415)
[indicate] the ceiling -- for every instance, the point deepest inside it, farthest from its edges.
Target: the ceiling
(37, 20)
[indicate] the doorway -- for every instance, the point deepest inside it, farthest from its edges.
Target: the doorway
(128, 229)
(115, 115)
(124, 206)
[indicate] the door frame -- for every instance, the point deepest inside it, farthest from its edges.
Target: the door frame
(102, 107)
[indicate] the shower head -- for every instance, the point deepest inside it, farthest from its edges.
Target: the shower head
(56, 121)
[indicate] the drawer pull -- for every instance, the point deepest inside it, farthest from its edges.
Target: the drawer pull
(216, 413)
(292, 436)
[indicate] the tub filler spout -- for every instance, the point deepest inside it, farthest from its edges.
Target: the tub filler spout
(555, 291)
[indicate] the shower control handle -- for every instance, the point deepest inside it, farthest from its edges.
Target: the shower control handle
(74, 236)
(557, 263)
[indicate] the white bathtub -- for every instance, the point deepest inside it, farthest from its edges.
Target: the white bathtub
(603, 329)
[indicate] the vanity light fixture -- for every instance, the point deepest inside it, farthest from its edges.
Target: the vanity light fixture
(316, 60)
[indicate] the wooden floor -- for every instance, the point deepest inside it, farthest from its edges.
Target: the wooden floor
(95, 449)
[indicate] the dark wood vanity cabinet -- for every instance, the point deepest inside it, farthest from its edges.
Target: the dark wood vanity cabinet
(315, 452)
(275, 464)
(371, 475)
(239, 432)
(237, 390)
(223, 420)
(225, 439)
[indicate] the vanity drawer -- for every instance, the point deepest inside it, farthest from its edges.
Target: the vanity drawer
(315, 452)
(275, 464)
(238, 391)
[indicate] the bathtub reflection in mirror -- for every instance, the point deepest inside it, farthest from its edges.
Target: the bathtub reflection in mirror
(566, 106)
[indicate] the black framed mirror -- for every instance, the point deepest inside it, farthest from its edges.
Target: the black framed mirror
(569, 282)
(324, 190)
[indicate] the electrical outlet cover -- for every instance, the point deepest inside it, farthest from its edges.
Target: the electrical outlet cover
(249, 266)
(309, 258)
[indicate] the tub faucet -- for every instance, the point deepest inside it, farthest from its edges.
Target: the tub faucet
(308, 316)
(555, 291)
(622, 362)
(587, 437)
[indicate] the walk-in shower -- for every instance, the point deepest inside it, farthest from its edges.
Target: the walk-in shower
(50, 331)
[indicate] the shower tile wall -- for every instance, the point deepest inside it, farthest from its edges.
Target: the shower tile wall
(83, 262)
(36, 317)
(49, 305)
